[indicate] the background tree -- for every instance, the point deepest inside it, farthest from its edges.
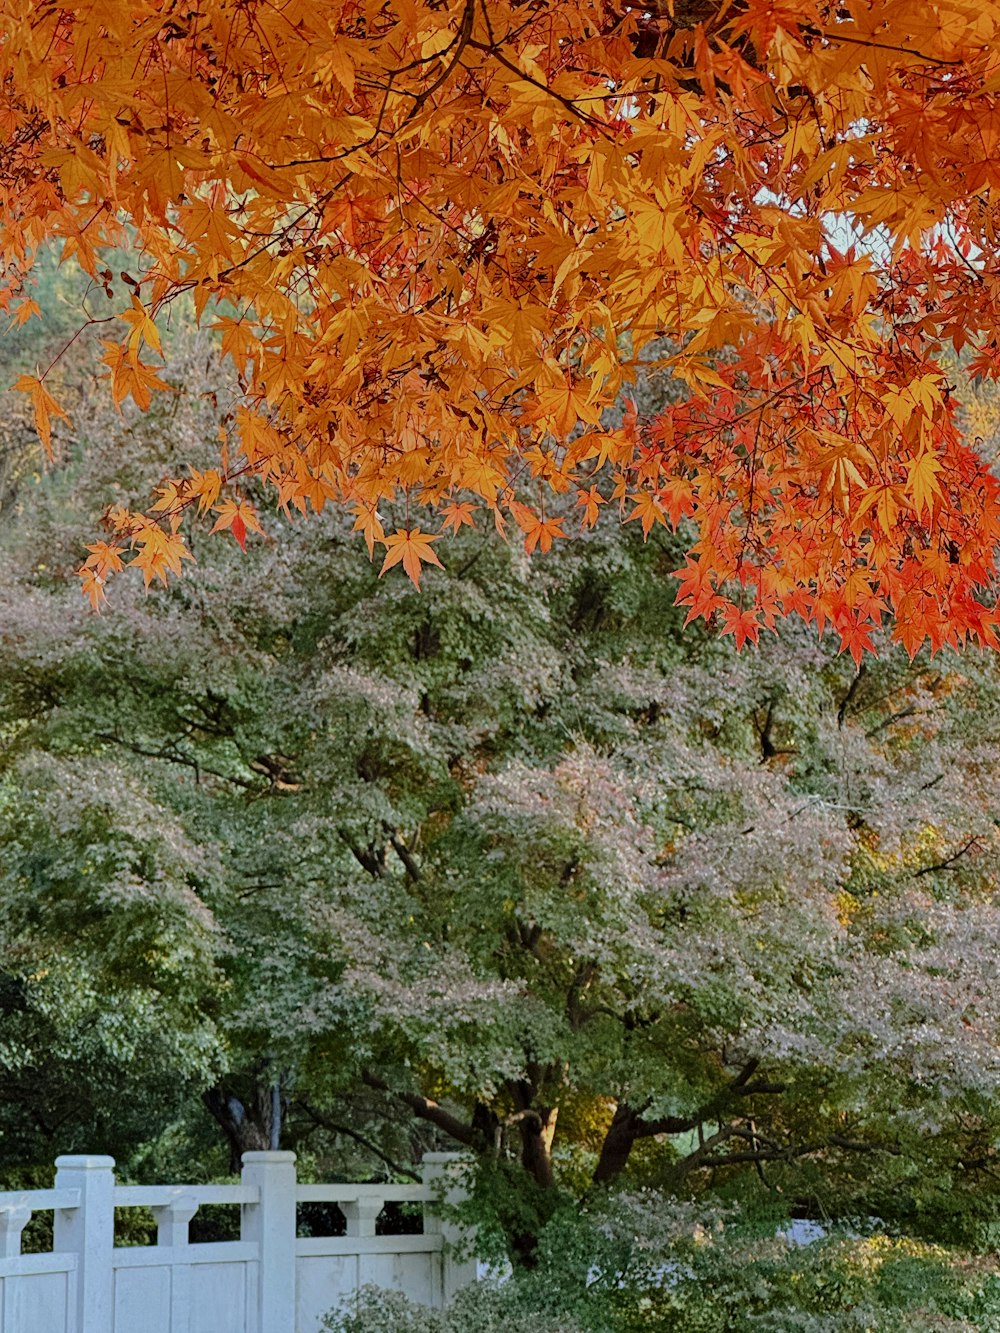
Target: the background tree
(514, 862)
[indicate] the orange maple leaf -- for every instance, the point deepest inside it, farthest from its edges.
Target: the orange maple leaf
(141, 329)
(541, 532)
(590, 501)
(367, 520)
(457, 514)
(856, 638)
(743, 624)
(411, 548)
(237, 517)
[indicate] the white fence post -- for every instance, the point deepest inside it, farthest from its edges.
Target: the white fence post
(271, 1223)
(442, 1172)
(89, 1233)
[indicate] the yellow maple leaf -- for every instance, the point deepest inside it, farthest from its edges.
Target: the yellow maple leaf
(46, 407)
(160, 553)
(206, 487)
(141, 328)
(562, 406)
(104, 559)
(648, 510)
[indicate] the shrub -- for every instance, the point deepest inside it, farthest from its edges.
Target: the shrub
(644, 1264)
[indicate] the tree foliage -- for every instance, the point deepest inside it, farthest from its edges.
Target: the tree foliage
(437, 239)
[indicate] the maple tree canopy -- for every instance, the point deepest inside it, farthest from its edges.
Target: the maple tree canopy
(437, 238)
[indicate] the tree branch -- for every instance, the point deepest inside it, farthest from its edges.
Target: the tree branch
(700, 1157)
(949, 862)
(425, 1109)
(172, 755)
(628, 1125)
(406, 856)
(845, 703)
(320, 1118)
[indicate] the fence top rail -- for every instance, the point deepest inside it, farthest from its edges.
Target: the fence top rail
(27, 1265)
(211, 1252)
(352, 1193)
(40, 1200)
(161, 1196)
(330, 1247)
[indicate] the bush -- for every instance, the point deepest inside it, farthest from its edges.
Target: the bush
(648, 1265)
(486, 1308)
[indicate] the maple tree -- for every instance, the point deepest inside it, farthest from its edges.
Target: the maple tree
(437, 237)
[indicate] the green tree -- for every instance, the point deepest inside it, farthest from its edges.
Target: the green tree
(516, 862)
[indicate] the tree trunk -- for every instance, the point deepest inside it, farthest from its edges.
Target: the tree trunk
(617, 1145)
(538, 1127)
(486, 1130)
(251, 1123)
(628, 1125)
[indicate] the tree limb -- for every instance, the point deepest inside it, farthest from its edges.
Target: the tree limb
(320, 1118)
(425, 1109)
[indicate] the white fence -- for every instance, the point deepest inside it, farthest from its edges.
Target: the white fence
(268, 1281)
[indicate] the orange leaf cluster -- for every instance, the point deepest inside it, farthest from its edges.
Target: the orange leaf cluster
(439, 238)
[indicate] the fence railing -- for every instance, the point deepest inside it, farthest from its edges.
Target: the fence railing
(270, 1280)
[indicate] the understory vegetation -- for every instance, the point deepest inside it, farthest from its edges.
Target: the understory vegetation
(643, 1263)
